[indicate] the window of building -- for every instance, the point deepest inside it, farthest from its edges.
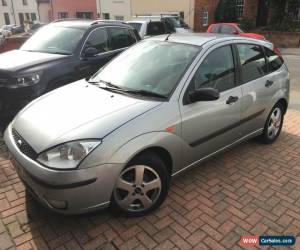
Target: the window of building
(119, 18)
(106, 16)
(33, 17)
(21, 18)
(205, 18)
(27, 16)
(25, 2)
(293, 9)
(216, 73)
(84, 15)
(62, 15)
(6, 18)
(253, 62)
(4, 3)
(240, 8)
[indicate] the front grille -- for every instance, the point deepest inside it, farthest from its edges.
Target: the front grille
(24, 147)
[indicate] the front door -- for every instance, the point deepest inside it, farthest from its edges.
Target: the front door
(209, 126)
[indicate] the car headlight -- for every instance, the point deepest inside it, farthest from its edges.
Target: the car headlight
(26, 80)
(68, 155)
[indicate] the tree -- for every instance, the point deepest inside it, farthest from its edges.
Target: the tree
(226, 11)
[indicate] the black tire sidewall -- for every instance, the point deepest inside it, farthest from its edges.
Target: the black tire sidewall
(153, 161)
(265, 137)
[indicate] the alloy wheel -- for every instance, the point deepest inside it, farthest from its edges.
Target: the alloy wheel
(138, 188)
(274, 123)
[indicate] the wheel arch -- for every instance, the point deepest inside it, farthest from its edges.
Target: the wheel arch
(161, 152)
(284, 103)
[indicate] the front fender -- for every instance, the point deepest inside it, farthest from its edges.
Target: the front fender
(164, 140)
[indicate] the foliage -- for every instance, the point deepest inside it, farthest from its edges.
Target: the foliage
(246, 24)
(226, 11)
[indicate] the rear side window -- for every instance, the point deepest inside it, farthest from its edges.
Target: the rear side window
(120, 38)
(98, 39)
(155, 28)
(274, 60)
(227, 29)
(216, 73)
(253, 62)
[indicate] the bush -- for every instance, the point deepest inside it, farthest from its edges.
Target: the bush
(226, 11)
(283, 24)
(246, 24)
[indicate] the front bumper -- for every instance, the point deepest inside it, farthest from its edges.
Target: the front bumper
(13, 100)
(83, 190)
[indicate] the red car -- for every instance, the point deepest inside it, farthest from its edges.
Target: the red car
(232, 28)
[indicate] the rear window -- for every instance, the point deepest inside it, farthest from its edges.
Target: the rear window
(253, 62)
(275, 61)
(155, 28)
(136, 26)
(227, 29)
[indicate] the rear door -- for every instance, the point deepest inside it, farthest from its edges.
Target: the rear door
(257, 87)
(209, 126)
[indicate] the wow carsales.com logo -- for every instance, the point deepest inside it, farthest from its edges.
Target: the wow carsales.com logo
(251, 241)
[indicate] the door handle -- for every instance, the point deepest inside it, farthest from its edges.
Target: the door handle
(232, 100)
(269, 83)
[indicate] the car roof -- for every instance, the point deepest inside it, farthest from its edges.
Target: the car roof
(86, 23)
(199, 39)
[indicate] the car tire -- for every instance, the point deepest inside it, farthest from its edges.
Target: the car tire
(273, 124)
(141, 187)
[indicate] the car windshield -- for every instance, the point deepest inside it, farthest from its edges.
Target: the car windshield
(150, 66)
(136, 26)
(54, 40)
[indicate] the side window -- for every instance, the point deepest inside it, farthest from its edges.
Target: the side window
(155, 28)
(120, 38)
(216, 73)
(227, 29)
(215, 29)
(275, 61)
(98, 39)
(253, 62)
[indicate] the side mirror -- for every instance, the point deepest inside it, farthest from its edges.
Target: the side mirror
(235, 32)
(90, 52)
(205, 94)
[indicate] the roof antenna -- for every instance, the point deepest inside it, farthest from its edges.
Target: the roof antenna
(167, 38)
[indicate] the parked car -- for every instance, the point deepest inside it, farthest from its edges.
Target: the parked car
(2, 39)
(57, 54)
(7, 30)
(232, 28)
(34, 28)
(161, 107)
(157, 25)
(17, 29)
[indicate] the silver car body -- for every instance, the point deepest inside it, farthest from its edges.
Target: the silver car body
(128, 126)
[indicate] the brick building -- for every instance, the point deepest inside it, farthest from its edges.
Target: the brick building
(259, 11)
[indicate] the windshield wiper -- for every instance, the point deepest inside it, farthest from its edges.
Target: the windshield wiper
(107, 84)
(146, 93)
(113, 87)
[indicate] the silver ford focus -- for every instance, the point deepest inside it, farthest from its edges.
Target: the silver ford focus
(159, 108)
